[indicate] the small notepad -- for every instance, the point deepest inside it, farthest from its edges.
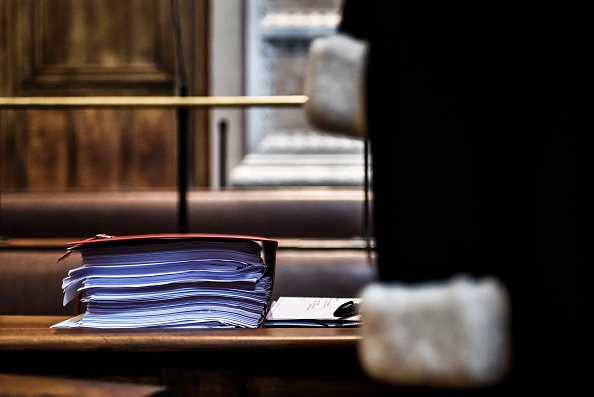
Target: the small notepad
(293, 311)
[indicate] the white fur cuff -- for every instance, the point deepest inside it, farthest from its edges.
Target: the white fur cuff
(335, 84)
(452, 334)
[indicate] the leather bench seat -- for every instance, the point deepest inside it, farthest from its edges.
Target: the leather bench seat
(275, 213)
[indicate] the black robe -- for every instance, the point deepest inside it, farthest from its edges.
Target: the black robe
(480, 117)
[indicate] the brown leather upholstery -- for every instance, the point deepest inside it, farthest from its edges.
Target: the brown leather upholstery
(31, 282)
(280, 213)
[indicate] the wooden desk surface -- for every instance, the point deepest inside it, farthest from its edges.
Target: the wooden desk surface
(34, 332)
(226, 362)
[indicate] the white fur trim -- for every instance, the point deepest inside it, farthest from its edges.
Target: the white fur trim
(452, 334)
(335, 85)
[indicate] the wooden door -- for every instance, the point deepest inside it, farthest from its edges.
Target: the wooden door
(99, 48)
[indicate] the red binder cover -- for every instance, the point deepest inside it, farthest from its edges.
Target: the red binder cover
(269, 248)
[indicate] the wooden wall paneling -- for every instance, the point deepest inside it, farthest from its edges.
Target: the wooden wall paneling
(46, 155)
(153, 159)
(7, 39)
(98, 155)
(13, 39)
(12, 158)
(103, 47)
(195, 26)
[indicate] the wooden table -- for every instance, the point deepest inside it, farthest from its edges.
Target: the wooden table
(209, 362)
(12, 385)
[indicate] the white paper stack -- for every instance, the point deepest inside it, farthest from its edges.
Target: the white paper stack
(182, 281)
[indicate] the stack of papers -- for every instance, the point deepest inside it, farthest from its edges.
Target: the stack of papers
(181, 281)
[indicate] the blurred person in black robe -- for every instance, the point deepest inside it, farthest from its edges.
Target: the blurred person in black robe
(479, 118)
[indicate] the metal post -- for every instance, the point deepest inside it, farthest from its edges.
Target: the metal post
(223, 152)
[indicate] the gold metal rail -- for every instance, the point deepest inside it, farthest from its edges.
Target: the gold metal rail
(151, 101)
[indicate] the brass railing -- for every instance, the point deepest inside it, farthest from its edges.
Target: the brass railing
(151, 101)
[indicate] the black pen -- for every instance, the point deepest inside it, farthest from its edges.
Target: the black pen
(347, 309)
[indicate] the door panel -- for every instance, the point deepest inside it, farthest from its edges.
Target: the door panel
(97, 48)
